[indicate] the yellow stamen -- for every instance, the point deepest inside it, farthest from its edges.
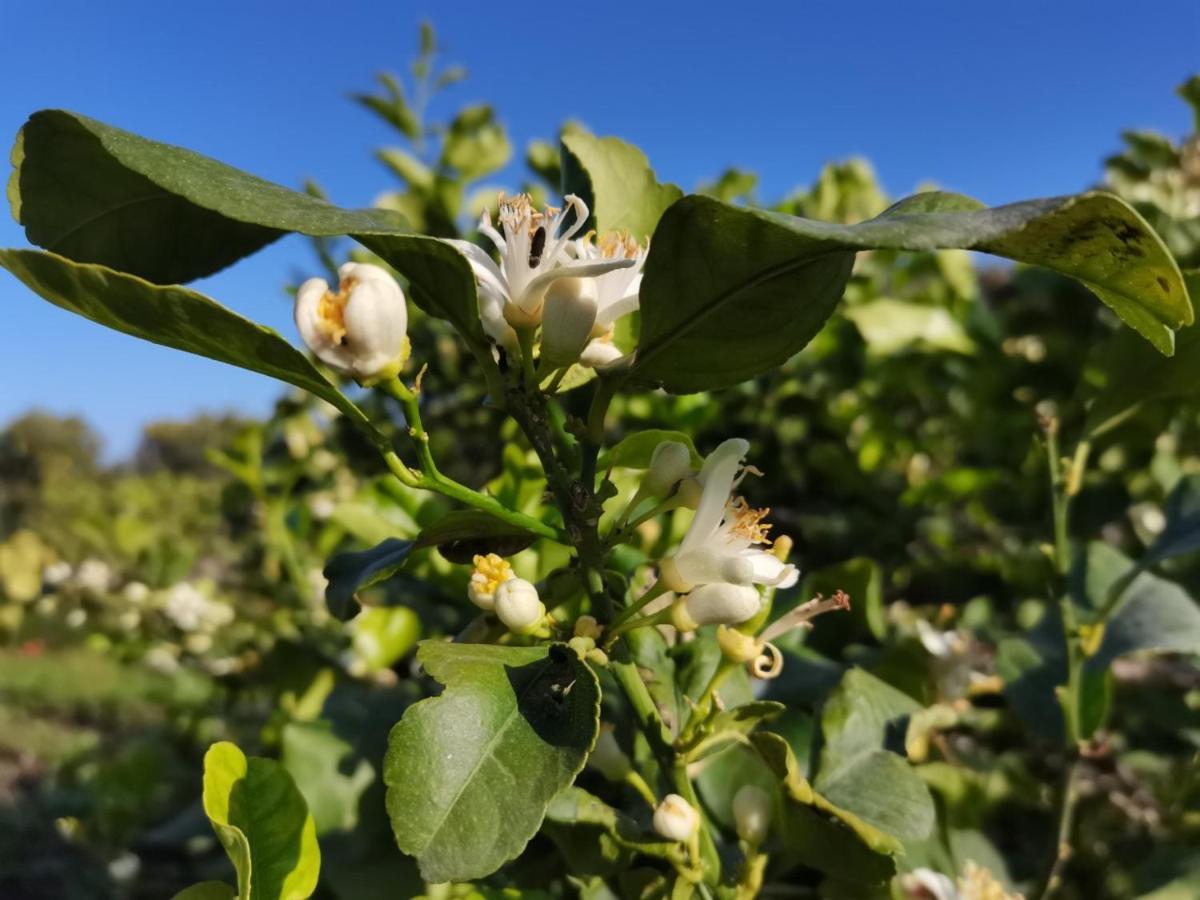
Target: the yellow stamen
(490, 572)
(748, 523)
(331, 311)
(618, 245)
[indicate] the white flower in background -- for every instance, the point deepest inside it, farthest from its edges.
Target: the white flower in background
(489, 573)
(752, 813)
(676, 819)
(724, 553)
(534, 250)
(76, 618)
(56, 573)
(94, 575)
(129, 620)
(322, 505)
(518, 606)
(361, 330)
(190, 610)
(136, 593)
(162, 658)
(975, 883)
(616, 291)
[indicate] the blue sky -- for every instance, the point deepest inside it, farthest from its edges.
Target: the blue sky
(1004, 101)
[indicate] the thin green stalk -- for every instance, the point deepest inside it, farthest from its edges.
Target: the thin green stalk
(463, 494)
(704, 705)
(1063, 486)
(653, 592)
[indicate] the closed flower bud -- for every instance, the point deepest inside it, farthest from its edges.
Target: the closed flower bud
(567, 320)
(670, 463)
(517, 605)
(490, 572)
(752, 813)
(676, 819)
(588, 627)
(361, 330)
(723, 604)
(607, 757)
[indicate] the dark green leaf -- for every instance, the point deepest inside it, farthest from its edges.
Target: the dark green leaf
(616, 181)
(97, 194)
(263, 824)
(349, 573)
(174, 317)
(731, 293)
(471, 772)
(462, 534)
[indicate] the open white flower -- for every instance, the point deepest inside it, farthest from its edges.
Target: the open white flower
(725, 551)
(616, 291)
(362, 329)
(534, 253)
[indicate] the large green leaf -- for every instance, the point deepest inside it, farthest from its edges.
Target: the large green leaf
(819, 833)
(863, 723)
(730, 293)
(615, 180)
(471, 772)
(263, 824)
(174, 317)
(98, 194)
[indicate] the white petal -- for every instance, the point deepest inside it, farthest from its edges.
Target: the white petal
(770, 571)
(717, 476)
(599, 353)
(723, 604)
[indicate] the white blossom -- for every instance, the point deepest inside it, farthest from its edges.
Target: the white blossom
(518, 606)
(676, 819)
(361, 330)
(726, 545)
(535, 250)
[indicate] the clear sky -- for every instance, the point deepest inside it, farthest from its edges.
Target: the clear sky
(1005, 101)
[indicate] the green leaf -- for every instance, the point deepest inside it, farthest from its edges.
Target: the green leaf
(314, 756)
(207, 890)
(262, 822)
(174, 317)
(97, 194)
(818, 833)
(863, 722)
(349, 573)
(731, 293)
(383, 634)
(1135, 375)
(476, 143)
(890, 326)
(635, 450)
(615, 180)
(463, 533)
(471, 772)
